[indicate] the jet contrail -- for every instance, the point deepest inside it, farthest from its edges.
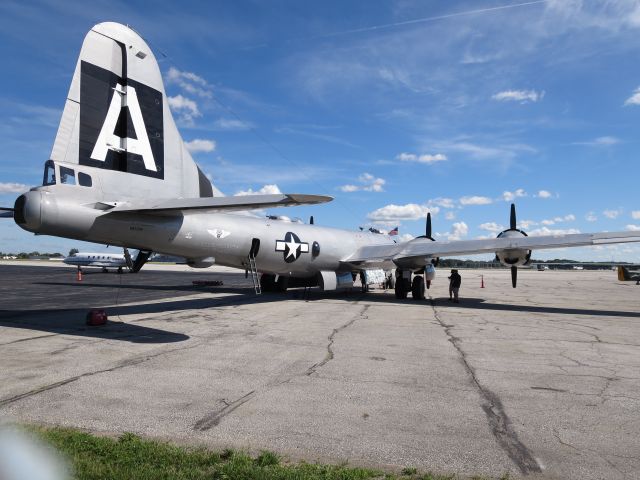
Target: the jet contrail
(429, 19)
(399, 24)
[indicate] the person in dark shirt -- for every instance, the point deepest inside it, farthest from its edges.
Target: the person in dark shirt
(454, 285)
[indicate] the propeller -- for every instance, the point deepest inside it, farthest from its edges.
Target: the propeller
(427, 230)
(311, 220)
(512, 220)
(428, 234)
(514, 276)
(6, 212)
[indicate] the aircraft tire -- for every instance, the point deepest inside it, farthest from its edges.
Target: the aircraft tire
(282, 284)
(400, 289)
(267, 282)
(417, 288)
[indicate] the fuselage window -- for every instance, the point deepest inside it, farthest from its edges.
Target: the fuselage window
(49, 173)
(84, 180)
(67, 176)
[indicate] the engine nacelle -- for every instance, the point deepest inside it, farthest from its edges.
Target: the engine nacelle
(201, 262)
(328, 280)
(513, 257)
(429, 272)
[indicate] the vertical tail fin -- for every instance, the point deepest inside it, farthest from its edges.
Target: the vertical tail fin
(117, 123)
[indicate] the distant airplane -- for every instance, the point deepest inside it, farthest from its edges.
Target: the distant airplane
(120, 174)
(626, 275)
(100, 260)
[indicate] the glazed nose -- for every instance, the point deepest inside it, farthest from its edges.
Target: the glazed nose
(27, 210)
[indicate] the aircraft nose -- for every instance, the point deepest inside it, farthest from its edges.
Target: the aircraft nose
(27, 210)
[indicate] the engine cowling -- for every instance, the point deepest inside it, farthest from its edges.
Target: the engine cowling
(201, 262)
(513, 257)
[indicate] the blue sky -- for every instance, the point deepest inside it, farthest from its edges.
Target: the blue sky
(393, 107)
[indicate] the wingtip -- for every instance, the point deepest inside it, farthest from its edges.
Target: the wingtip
(309, 199)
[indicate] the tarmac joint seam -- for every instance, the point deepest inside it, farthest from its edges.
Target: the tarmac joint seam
(499, 422)
(123, 364)
(213, 419)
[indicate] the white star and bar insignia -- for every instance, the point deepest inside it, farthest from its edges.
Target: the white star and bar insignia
(292, 247)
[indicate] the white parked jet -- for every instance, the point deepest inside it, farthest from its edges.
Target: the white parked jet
(120, 174)
(100, 260)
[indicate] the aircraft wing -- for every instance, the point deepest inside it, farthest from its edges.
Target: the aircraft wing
(216, 204)
(419, 251)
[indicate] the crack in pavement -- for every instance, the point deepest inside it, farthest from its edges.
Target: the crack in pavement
(499, 422)
(214, 418)
(330, 355)
(126, 363)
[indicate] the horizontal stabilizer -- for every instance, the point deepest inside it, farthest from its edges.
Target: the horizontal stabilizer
(216, 204)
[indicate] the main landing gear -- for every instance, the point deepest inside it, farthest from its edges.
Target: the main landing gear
(405, 284)
(268, 283)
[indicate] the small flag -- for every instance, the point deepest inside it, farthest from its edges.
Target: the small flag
(394, 231)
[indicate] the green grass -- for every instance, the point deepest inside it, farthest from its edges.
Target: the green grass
(130, 457)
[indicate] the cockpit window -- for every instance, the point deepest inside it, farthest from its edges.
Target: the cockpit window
(84, 180)
(67, 176)
(49, 173)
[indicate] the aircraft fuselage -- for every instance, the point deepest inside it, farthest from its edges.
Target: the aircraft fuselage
(284, 248)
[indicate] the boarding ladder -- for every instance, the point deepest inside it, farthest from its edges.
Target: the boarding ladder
(255, 277)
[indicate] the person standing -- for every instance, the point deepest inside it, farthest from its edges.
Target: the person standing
(455, 280)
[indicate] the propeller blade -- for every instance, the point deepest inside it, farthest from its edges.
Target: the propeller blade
(514, 276)
(428, 229)
(512, 223)
(311, 220)
(6, 212)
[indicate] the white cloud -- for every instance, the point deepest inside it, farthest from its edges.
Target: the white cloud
(424, 158)
(13, 187)
(544, 194)
(410, 211)
(633, 228)
(509, 196)
(612, 213)
(527, 223)
(492, 227)
(266, 190)
(551, 231)
(405, 237)
(522, 96)
(634, 99)
(475, 200)
(186, 108)
(369, 183)
(442, 202)
(189, 82)
(458, 230)
(449, 215)
(635, 214)
(605, 141)
(231, 124)
(591, 217)
(198, 145)
(553, 221)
